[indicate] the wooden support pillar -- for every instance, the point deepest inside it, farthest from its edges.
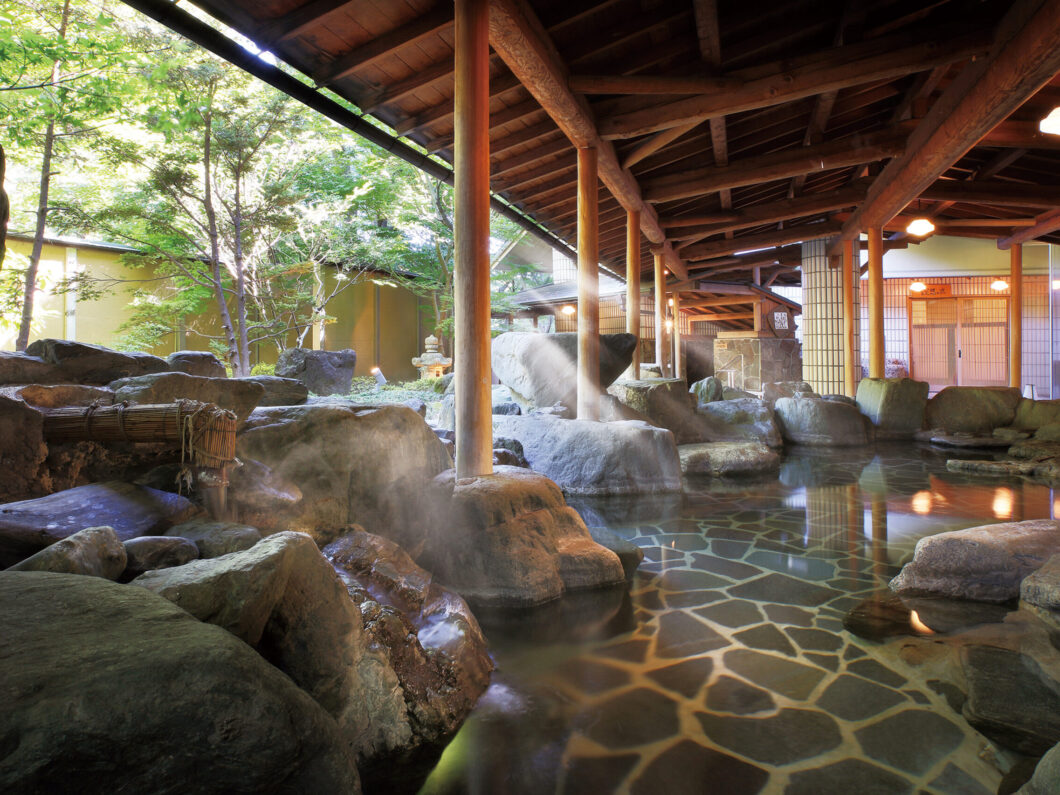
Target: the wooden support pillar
(588, 288)
(679, 369)
(660, 314)
(758, 314)
(633, 286)
(1015, 316)
(471, 230)
(849, 354)
(876, 344)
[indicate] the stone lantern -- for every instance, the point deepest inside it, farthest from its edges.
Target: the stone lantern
(432, 364)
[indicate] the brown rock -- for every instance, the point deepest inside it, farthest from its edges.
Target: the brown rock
(54, 396)
(22, 452)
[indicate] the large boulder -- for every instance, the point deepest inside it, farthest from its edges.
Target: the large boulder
(366, 465)
(21, 368)
(279, 391)
(1033, 415)
(510, 539)
(773, 391)
(201, 363)
(1046, 778)
(214, 538)
(22, 451)
(541, 369)
(985, 563)
(81, 363)
(894, 405)
(322, 372)
(428, 634)
(94, 552)
(746, 419)
(827, 423)
(972, 409)
(585, 457)
(666, 403)
(31, 525)
(258, 492)
(727, 458)
(235, 394)
(110, 688)
(708, 390)
(148, 553)
(54, 396)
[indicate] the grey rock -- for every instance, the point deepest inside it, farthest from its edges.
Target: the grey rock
(94, 551)
(447, 413)
(541, 369)
(22, 453)
(666, 403)
(708, 390)
(512, 540)
(1046, 778)
(147, 553)
(813, 421)
(895, 406)
(201, 363)
(1041, 588)
(323, 372)
(507, 409)
(614, 410)
(727, 458)
(739, 420)
(972, 409)
(279, 391)
(732, 393)
(215, 539)
(81, 363)
(417, 405)
(53, 396)
(775, 390)
(21, 368)
(211, 714)
(235, 394)
(370, 465)
(844, 399)
(31, 525)
(585, 457)
(982, 563)
(1032, 415)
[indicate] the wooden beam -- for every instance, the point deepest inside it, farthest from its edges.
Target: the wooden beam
(519, 38)
(633, 287)
(727, 316)
(657, 142)
(1004, 194)
(877, 356)
(651, 84)
(703, 303)
(1015, 316)
(405, 35)
(1020, 135)
(718, 248)
(1024, 57)
(791, 84)
(588, 288)
(471, 229)
(777, 165)
(295, 23)
(1044, 224)
(721, 217)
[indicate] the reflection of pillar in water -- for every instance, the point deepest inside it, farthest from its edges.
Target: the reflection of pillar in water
(826, 516)
(855, 530)
(879, 535)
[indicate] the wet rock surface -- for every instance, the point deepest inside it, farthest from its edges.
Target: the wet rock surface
(81, 363)
(211, 714)
(31, 525)
(322, 372)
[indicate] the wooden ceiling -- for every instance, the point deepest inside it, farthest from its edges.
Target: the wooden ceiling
(733, 125)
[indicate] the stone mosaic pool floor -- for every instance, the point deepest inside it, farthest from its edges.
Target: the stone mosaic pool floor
(727, 668)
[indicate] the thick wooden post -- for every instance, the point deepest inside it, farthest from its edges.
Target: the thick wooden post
(1015, 316)
(679, 369)
(660, 314)
(633, 287)
(588, 288)
(471, 229)
(876, 344)
(849, 318)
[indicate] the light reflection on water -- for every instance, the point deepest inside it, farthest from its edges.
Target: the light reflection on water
(586, 696)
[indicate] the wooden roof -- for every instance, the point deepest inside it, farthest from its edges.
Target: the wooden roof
(734, 124)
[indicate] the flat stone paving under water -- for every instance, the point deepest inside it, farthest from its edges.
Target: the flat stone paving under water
(727, 667)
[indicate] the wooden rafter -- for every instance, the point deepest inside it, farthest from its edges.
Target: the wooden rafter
(718, 248)
(1043, 225)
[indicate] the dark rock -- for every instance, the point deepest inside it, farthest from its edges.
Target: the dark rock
(502, 457)
(895, 406)
(1042, 587)
(147, 553)
(852, 698)
(508, 408)
(628, 553)
(323, 372)
(20, 368)
(656, 719)
(279, 391)
(814, 421)
(708, 390)
(31, 525)
(201, 363)
(981, 563)
(369, 465)
(729, 694)
(848, 775)
(510, 539)
(540, 369)
(972, 409)
(1046, 778)
(211, 714)
(683, 768)
(913, 740)
(686, 678)
(80, 363)
(786, 677)
(215, 539)
(235, 394)
(788, 736)
(586, 457)
(94, 551)
(22, 453)
(744, 419)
